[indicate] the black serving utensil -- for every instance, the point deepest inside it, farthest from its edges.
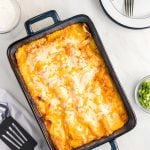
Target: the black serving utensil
(12, 133)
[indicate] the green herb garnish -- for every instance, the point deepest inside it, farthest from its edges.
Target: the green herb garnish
(144, 94)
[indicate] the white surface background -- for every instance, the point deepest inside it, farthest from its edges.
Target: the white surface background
(129, 52)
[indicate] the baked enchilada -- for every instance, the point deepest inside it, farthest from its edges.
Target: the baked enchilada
(71, 87)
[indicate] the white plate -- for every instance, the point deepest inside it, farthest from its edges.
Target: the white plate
(141, 14)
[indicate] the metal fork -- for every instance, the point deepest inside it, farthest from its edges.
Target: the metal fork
(129, 7)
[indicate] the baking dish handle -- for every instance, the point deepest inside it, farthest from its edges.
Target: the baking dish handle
(114, 145)
(28, 24)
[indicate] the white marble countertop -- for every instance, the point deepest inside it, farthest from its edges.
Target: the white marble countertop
(128, 50)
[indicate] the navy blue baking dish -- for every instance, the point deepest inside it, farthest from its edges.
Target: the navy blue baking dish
(59, 24)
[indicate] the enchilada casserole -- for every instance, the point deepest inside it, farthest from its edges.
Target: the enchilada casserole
(71, 87)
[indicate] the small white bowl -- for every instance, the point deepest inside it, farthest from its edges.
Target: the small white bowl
(14, 4)
(136, 94)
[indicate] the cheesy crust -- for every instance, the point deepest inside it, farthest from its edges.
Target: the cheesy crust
(71, 87)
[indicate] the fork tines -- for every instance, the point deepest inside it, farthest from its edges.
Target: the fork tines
(129, 7)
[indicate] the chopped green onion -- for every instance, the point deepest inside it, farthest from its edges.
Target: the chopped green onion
(144, 94)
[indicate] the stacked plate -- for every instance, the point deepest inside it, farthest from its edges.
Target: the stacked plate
(140, 19)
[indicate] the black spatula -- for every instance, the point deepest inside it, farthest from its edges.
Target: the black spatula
(13, 134)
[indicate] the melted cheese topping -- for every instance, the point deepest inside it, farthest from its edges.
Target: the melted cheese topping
(69, 82)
